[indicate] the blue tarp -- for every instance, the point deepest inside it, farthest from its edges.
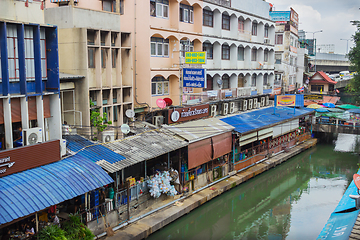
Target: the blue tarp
(340, 225)
(93, 151)
(261, 118)
(33, 190)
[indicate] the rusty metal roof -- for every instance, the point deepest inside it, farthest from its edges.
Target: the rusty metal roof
(141, 147)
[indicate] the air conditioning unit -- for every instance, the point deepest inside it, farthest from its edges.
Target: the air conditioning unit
(267, 101)
(158, 120)
(225, 109)
(107, 136)
(213, 110)
(62, 147)
(232, 107)
(266, 40)
(258, 105)
(255, 103)
(250, 104)
(262, 102)
(244, 104)
(32, 136)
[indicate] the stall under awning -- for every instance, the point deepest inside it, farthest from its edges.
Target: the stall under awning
(33, 190)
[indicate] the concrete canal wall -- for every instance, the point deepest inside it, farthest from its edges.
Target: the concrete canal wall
(143, 227)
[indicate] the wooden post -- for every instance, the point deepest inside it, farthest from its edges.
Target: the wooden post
(128, 198)
(180, 178)
(37, 222)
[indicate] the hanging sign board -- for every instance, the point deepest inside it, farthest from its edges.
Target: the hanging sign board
(195, 57)
(313, 97)
(187, 113)
(285, 100)
(194, 77)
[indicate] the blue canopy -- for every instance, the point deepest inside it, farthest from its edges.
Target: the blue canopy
(356, 110)
(322, 110)
(33, 190)
(261, 118)
(329, 105)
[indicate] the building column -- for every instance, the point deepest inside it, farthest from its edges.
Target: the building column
(8, 123)
(24, 113)
(40, 114)
(55, 121)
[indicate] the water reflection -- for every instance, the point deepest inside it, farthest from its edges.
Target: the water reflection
(292, 201)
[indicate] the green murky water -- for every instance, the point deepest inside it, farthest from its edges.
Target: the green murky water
(292, 201)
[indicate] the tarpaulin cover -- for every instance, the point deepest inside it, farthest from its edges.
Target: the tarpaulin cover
(33, 190)
(199, 152)
(340, 225)
(222, 144)
(264, 117)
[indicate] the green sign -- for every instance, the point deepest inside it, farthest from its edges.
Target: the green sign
(195, 57)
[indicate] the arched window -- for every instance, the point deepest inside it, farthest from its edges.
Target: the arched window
(253, 80)
(159, 86)
(209, 83)
(225, 52)
(226, 81)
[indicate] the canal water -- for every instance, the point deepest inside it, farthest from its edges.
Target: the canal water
(291, 201)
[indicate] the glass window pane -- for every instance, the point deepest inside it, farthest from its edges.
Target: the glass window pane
(166, 87)
(153, 49)
(159, 49)
(159, 9)
(159, 88)
(152, 9)
(166, 49)
(166, 11)
(153, 88)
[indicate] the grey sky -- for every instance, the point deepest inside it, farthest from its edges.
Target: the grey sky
(331, 16)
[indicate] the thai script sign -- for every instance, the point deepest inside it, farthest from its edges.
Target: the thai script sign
(5, 164)
(194, 77)
(195, 57)
(313, 97)
(188, 113)
(285, 100)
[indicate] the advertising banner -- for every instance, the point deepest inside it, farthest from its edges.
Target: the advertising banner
(285, 100)
(188, 113)
(195, 57)
(194, 77)
(280, 16)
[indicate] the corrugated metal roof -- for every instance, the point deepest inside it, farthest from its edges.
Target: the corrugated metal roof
(200, 129)
(93, 151)
(249, 121)
(65, 76)
(27, 192)
(141, 147)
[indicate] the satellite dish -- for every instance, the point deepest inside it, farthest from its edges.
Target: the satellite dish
(168, 101)
(219, 81)
(125, 128)
(161, 103)
(130, 113)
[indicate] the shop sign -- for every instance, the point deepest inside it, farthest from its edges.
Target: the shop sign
(194, 77)
(28, 157)
(291, 87)
(277, 91)
(313, 97)
(188, 113)
(280, 16)
(5, 164)
(195, 57)
(285, 100)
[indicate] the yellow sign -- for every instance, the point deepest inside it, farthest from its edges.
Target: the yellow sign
(195, 57)
(285, 100)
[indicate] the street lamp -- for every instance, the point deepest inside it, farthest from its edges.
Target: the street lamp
(347, 44)
(314, 47)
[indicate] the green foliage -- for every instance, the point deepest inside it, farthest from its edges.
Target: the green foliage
(96, 120)
(75, 229)
(52, 232)
(354, 57)
(72, 229)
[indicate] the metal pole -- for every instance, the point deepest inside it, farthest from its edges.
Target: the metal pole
(128, 199)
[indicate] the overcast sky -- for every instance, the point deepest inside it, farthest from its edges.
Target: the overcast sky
(331, 16)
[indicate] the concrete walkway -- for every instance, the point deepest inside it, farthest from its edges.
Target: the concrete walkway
(151, 223)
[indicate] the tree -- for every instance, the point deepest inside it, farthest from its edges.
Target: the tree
(96, 120)
(354, 57)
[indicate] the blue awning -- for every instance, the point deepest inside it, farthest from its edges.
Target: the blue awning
(249, 121)
(33, 190)
(93, 151)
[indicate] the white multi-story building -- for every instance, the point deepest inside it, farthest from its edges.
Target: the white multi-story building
(239, 39)
(286, 54)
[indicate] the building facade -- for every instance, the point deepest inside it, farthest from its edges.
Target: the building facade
(92, 45)
(239, 41)
(286, 45)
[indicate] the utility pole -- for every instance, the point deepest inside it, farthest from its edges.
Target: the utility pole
(347, 44)
(314, 44)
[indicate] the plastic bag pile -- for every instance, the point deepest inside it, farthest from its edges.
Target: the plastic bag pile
(160, 183)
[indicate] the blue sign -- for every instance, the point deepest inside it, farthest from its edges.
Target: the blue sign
(280, 16)
(194, 77)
